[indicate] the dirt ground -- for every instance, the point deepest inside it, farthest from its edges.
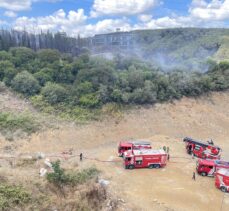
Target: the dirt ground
(170, 188)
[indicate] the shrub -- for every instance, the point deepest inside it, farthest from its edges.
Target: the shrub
(76, 178)
(22, 55)
(48, 55)
(42, 77)
(54, 93)
(60, 178)
(89, 100)
(5, 55)
(11, 196)
(4, 66)
(25, 83)
(2, 87)
(80, 114)
(9, 74)
(39, 102)
(12, 122)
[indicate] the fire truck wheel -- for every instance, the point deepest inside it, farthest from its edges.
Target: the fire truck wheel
(203, 174)
(224, 189)
(131, 167)
(151, 166)
(157, 166)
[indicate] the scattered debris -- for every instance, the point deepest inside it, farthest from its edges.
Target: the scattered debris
(43, 172)
(103, 182)
(48, 163)
(40, 155)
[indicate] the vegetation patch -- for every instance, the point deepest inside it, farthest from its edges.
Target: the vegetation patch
(83, 87)
(13, 122)
(11, 196)
(61, 178)
(2, 87)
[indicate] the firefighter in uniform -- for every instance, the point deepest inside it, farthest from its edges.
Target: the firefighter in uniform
(194, 176)
(81, 156)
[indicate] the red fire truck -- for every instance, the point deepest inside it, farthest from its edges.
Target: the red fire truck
(208, 167)
(144, 158)
(132, 145)
(222, 180)
(202, 150)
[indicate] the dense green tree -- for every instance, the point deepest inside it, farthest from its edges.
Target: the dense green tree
(5, 55)
(4, 66)
(62, 72)
(9, 74)
(22, 55)
(91, 82)
(89, 100)
(43, 77)
(25, 83)
(224, 65)
(54, 93)
(49, 55)
(97, 75)
(116, 95)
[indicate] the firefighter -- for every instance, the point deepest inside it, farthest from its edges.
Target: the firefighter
(194, 176)
(168, 157)
(81, 156)
(211, 142)
(164, 148)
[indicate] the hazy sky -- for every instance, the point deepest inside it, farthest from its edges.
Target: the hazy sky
(89, 17)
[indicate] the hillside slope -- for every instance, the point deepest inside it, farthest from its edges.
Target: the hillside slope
(182, 48)
(164, 124)
(204, 118)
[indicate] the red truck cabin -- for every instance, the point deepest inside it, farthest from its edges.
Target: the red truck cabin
(144, 159)
(222, 180)
(205, 167)
(123, 147)
(209, 167)
(132, 145)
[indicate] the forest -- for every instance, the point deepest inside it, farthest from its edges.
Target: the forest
(59, 82)
(183, 48)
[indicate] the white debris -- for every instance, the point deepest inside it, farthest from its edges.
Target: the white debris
(103, 182)
(42, 172)
(48, 163)
(40, 155)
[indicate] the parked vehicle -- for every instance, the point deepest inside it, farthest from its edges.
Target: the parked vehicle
(208, 167)
(144, 158)
(201, 149)
(132, 145)
(222, 180)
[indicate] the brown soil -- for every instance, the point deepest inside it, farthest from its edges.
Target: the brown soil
(170, 188)
(12, 102)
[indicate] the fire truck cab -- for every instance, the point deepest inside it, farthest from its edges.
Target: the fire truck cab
(132, 145)
(201, 149)
(144, 159)
(222, 180)
(209, 167)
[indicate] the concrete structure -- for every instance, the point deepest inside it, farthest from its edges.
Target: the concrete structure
(123, 40)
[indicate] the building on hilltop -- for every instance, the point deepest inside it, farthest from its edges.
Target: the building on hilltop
(121, 40)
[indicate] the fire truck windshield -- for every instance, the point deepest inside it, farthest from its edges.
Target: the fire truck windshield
(197, 147)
